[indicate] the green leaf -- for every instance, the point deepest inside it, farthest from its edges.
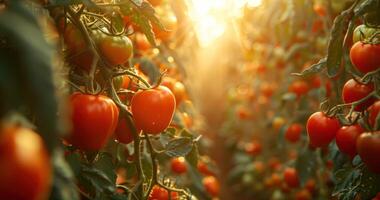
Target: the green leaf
(64, 187)
(335, 46)
(193, 156)
(95, 179)
(104, 162)
(313, 69)
(366, 7)
(179, 147)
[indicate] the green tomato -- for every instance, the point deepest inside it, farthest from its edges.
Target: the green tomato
(117, 82)
(362, 32)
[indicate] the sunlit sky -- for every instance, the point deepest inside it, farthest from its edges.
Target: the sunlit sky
(210, 17)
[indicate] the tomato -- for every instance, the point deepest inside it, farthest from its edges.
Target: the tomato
(354, 91)
(25, 167)
(118, 82)
(204, 169)
(317, 26)
(254, 148)
(78, 53)
(176, 87)
(365, 57)
(377, 197)
(153, 109)
(278, 122)
(170, 24)
(123, 132)
(142, 43)
(159, 193)
(362, 32)
(274, 163)
(94, 119)
(299, 88)
(275, 180)
(321, 129)
(373, 112)
(211, 184)
(310, 186)
(293, 132)
(368, 147)
(259, 167)
(116, 50)
(243, 113)
(319, 9)
(303, 195)
(178, 165)
(346, 139)
(267, 89)
(291, 177)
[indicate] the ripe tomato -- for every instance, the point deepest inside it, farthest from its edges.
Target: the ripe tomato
(291, 177)
(362, 32)
(254, 148)
(303, 195)
(177, 88)
(274, 163)
(319, 9)
(25, 167)
(354, 91)
(170, 24)
(259, 167)
(310, 185)
(159, 193)
(211, 184)
(377, 197)
(275, 180)
(123, 132)
(78, 52)
(299, 88)
(317, 26)
(116, 50)
(267, 89)
(142, 43)
(94, 119)
(365, 57)
(178, 165)
(293, 132)
(368, 147)
(204, 169)
(243, 113)
(373, 112)
(321, 129)
(346, 139)
(153, 109)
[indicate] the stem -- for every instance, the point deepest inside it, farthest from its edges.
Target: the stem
(127, 72)
(154, 164)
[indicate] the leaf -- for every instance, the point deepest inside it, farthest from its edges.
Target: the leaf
(63, 187)
(145, 26)
(105, 163)
(313, 69)
(193, 156)
(179, 147)
(335, 46)
(306, 164)
(29, 63)
(366, 7)
(93, 178)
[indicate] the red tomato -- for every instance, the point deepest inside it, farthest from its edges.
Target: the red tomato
(25, 167)
(116, 50)
(204, 169)
(254, 148)
(373, 112)
(354, 91)
(365, 57)
(310, 186)
(377, 197)
(267, 89)
(170, 24)
(159, 193)
(153, 109)
(291, 177)
(94, 119)
(211, 184)
(178, 165)
(299, 88)
(368, 147)
(303, 195)
(293, 132)
(317, 26)
(274, 163)
(123, 132)
(319, 9)
(346, 139)
(321, 129)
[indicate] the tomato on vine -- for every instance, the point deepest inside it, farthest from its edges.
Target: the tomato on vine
(116, 50)
(321, 129)
(293, 133)
(178, 165)
(365, 56)
(159, 193)
(123, 132)
(362, 32)
(211, 185)
(299, 87)
(25, 167)
(346, 138)
(291, 177)
(94, 119)
(153, 109)
(368, 147)
(355, 91)
(373, 110)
